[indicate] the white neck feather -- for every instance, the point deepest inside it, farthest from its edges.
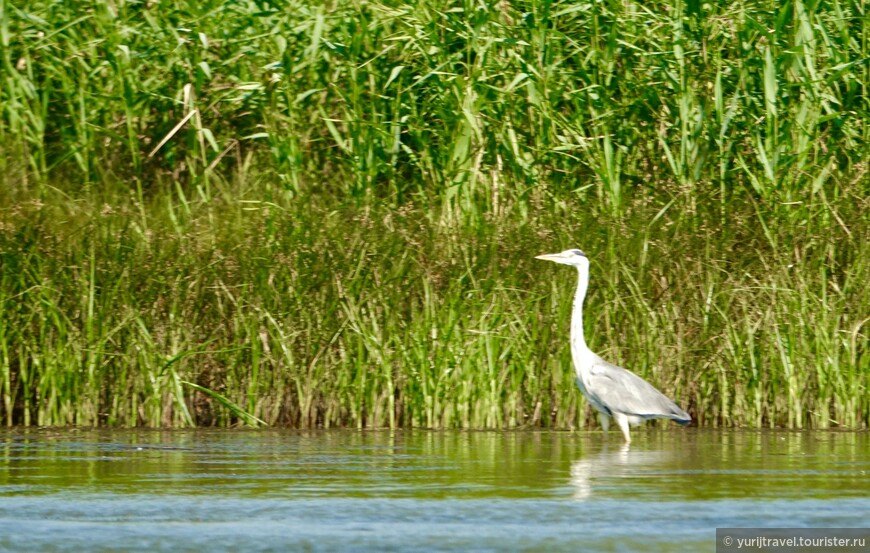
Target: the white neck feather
(580, 352)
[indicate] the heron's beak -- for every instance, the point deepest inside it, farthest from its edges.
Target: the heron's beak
(550, 257)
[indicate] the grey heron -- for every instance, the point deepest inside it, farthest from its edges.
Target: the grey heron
(611, 390)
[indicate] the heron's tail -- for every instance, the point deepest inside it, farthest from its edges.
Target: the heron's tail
(680, 417)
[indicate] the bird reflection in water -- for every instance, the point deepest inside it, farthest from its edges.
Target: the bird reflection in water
(596, 472)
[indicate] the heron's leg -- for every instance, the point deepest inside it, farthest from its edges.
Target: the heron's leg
(605, 422)
(622, 421)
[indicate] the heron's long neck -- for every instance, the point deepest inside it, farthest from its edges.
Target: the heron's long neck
(578, 342)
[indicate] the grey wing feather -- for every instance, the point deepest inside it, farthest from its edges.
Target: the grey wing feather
(623, 391)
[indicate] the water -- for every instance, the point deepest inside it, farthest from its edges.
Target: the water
(346, 491)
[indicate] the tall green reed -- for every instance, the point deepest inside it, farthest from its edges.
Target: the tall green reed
(473, 105)
(320, 315)
(161, 264)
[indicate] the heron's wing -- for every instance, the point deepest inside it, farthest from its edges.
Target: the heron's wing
(623, 391)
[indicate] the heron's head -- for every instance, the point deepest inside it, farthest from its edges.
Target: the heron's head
(575, 258)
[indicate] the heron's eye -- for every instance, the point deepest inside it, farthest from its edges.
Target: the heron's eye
(578, 252)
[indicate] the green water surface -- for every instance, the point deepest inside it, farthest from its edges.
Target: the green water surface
(238, 490)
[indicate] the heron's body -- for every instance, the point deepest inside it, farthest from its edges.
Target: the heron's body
(611, 390)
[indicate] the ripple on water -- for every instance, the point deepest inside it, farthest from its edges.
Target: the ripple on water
(419, 491)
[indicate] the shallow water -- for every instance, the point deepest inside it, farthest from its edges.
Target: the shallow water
(327, 491)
